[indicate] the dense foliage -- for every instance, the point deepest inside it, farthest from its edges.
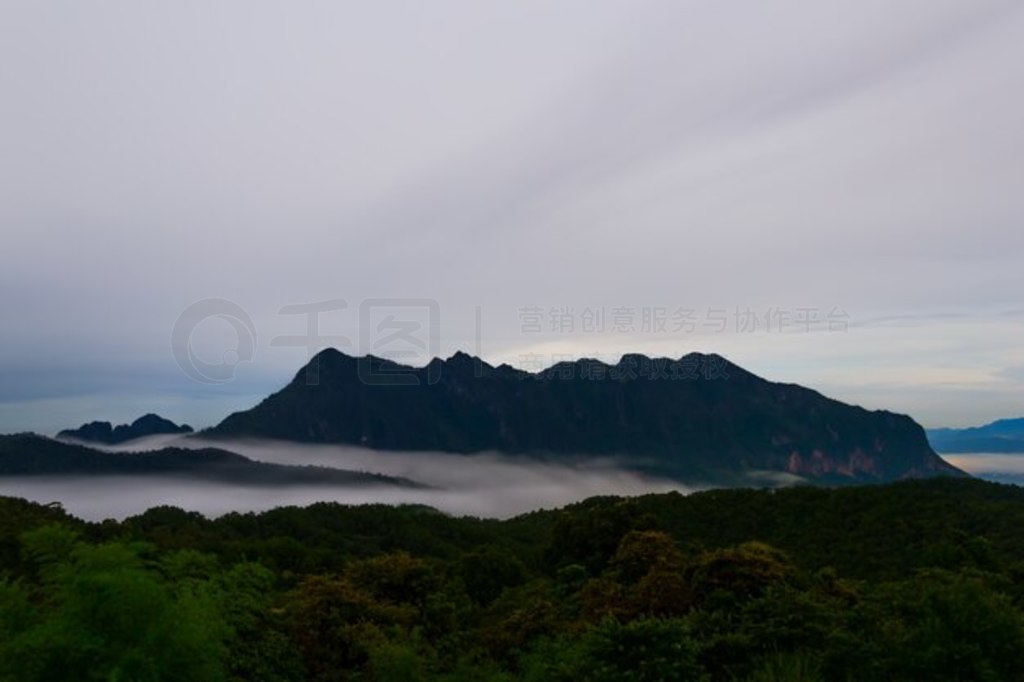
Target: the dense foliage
(910, 581)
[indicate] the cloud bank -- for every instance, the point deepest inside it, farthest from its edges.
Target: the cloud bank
(486, 485)
(726, 155)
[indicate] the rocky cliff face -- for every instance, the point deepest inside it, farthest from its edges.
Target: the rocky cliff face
(697, 417)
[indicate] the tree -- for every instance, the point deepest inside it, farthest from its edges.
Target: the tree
(487, 572)
(738, 572)
(944, 626)
(103, 615)
(646, 650)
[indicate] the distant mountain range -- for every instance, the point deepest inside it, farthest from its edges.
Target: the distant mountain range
(1002, 437)
(33, 455)
(104, 432)
(699, 417)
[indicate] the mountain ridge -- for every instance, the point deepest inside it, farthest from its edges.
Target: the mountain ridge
(1002, 436)
(30, 454)
(104, 432)
(696, 417)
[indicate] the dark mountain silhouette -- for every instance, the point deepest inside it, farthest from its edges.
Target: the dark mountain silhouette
(29, 454)
(1002, 436)
(103, 432)
(696, 418)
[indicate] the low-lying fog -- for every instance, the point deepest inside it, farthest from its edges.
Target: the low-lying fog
(486, 485)
(987, 465)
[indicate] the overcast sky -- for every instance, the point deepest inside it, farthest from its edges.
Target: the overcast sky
(850, 175)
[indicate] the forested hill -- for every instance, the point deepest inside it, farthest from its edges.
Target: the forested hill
(696, 418)
(913, 580)
(29, 454)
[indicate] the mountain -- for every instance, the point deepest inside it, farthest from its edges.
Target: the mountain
(1002, 436)
(696, 418)
(29, 454)
(103, 432)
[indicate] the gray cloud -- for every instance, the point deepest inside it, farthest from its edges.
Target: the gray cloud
(866, 156)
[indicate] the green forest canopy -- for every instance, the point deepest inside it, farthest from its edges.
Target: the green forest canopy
(913, 580)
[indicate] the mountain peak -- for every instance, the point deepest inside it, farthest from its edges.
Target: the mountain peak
(331, 354)
(1000, 436)
(103, 432)
(696, 418)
